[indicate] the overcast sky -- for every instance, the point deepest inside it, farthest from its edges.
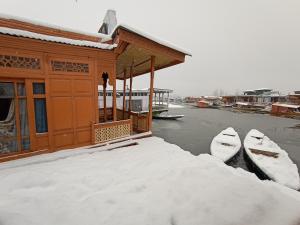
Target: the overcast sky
(236, 44)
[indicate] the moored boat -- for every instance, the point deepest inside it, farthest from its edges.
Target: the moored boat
(167, 117)
(226, 144)
(273, 161)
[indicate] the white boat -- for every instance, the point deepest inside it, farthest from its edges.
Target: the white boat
(273, 161)
(226, 144)
(167, 117)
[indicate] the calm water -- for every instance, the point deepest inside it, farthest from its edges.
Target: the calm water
(196, 130)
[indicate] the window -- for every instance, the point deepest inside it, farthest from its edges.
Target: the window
(40, 115)
(8, 129)
(40, 110)
(38, 88)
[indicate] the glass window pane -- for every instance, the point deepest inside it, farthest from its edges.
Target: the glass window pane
(8, 146)
(8, 131)
(7, 90)
(38, 88)
(23, 117)
(40, 115)
(21, 89)
(25, 144)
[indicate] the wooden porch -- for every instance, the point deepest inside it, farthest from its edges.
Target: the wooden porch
(135, 55)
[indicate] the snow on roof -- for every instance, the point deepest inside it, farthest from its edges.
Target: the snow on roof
(38, 23)
(150, 37)
(287, 105)
(104, 37)
(263, 89)
(43, 37)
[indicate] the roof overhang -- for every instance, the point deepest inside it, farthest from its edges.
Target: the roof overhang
(134, 52)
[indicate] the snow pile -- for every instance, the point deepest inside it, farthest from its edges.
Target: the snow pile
(150, 183)
(226, 144)
(281, 169)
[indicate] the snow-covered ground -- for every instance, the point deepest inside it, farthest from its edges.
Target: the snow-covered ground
(153, 182)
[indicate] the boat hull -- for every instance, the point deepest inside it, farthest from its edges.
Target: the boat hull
(226, 145)
(269, 161)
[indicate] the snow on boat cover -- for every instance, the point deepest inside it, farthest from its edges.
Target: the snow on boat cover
(271, 159)
(226, 144)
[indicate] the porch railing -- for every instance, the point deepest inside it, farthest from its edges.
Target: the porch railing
(139, 120)
(103, 132)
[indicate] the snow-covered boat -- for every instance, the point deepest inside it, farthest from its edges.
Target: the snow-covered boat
(226, 144)
(271, 160)
(167, 117)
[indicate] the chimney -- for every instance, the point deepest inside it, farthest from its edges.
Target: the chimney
(109, 22)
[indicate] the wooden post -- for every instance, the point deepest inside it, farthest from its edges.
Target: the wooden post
(151, 92)
(124, 94)
(115, 100)
(104, 103)
(130, 91)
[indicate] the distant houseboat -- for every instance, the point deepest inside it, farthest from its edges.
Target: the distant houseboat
(287, 110)
(209, 102)
(263, 96)
(294, 97)
(204, 104)
(247, 107)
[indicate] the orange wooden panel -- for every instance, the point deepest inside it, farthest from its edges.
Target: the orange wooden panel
(84, 136)
(42, 142)
(63, 140)
(83, 87)
(61, 87)
(84, 111)
(62, 112)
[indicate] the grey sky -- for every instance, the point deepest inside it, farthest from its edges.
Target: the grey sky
(236, 44)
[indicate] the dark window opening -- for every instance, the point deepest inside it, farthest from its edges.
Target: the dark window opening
(41, 124)
(38, 88)
(4, 106)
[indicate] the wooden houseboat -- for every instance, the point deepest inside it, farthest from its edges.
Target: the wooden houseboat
(263, 96)
(247, 107)
(49, 79)
(294, 97)
(286, 110)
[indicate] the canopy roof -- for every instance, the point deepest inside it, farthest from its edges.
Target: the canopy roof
(135, 50)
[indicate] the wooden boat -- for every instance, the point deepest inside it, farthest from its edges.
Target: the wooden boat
(226, 144)
(247, 107)
(273, 161)
(167, 117)
(286, 110)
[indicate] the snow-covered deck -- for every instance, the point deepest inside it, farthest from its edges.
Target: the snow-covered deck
(153, 182)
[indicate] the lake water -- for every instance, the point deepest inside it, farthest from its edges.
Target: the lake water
(196, 130)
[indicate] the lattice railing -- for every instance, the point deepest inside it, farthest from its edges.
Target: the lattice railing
(104, 132)
(20, 62)
(64, 66)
